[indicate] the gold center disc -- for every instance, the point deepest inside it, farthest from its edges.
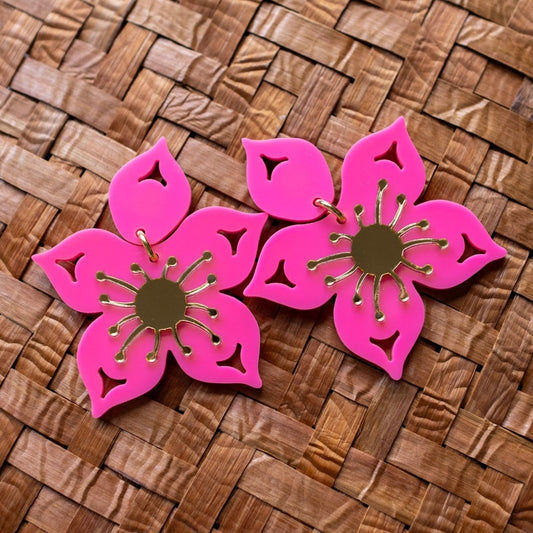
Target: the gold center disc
(160, 304)
(377, 249)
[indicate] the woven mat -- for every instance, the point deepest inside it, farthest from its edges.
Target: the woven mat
(330, 443)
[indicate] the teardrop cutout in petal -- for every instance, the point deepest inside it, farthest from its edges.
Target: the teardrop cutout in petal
(388, 154)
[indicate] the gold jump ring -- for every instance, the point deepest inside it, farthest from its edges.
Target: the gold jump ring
(151, 254)
(330, 208)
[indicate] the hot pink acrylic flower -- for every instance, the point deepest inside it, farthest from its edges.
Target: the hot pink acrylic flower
(171, 304)
(369, 262)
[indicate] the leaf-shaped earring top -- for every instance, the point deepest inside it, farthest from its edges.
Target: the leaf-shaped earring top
(286, 176)
(150, 193)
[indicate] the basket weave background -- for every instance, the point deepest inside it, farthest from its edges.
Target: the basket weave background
(330, 443)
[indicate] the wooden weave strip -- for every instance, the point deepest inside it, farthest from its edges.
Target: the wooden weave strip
(330, 443)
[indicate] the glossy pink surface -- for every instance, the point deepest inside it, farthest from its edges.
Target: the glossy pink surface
(287, 190)
(212, 229)
(388, 154)
(147, 199)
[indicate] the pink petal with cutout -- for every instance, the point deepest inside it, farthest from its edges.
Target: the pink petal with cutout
(96, 354)
(93, 250)
(300, 175)
(155, 206)
(295, 246)
(212, 229)
(367, 162)
(235, 326)
(358, 328)
(448, 221)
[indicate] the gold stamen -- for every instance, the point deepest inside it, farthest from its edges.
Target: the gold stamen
(426, 269)
(401, 203)
(215, 339)
(213, 313)
(101, 276)
(120, 357)
(211, 280)
(186, 350)
(311, 265)
(104, 299)
(382, 185)
(336, 237)
(114, 330)
(357, 300)
(138, 269)
(171, 262)
(375, 289)
(206, 256)
(404, 296)
(359, 210)
(423, 225)
(442, 243)
(330, 280)
(151, 357)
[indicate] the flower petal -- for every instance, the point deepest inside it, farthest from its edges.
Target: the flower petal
(96, 354)
(235, 326)
(388, 154)
(457, 225)
(363, 334)
(291, 249)
(72, 265)
(285, 176)
(231, 236)
(157, 205)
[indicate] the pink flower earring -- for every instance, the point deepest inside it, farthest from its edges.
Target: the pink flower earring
(373, 245)
(159, 288)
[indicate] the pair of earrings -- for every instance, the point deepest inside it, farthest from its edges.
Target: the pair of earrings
(160, 288)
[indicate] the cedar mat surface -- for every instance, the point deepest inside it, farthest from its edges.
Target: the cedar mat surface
(329, 443)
